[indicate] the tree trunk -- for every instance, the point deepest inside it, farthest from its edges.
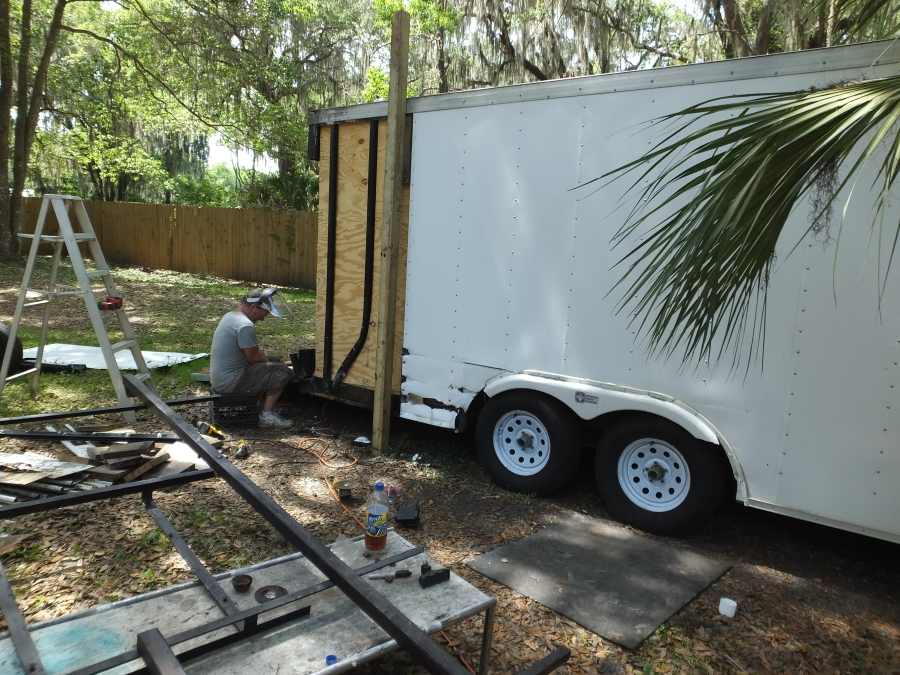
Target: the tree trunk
(737, 35)
(764, 28)
(829, 28)
(6, 77)
(27, 108)
(443, 82)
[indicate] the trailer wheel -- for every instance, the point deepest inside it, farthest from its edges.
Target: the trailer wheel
(527, 442)
(654, 475)
(15, 363)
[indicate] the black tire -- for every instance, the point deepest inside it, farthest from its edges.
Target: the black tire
(553, 469)
(700, 488)
(15, 364)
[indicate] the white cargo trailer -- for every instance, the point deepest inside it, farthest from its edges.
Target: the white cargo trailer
(508, 326)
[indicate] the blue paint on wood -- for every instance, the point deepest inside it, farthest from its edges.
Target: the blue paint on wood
(67, 646)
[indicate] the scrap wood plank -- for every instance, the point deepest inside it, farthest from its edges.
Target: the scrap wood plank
(106, 472)
(127, 462)
(170, 468)
(125, 449)
(139, 471)
(30, 461)
(22, 477)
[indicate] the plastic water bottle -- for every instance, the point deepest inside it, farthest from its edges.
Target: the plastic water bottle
(377, 519)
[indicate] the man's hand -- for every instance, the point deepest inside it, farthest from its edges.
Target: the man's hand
(254, 354)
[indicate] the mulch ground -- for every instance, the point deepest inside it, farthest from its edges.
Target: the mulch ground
(811, 599)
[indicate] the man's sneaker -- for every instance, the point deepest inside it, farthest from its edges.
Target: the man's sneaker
(271, 419)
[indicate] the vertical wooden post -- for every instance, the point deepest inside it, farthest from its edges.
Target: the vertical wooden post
(390, 236)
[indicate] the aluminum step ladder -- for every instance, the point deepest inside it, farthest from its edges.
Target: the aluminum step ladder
(71, 239)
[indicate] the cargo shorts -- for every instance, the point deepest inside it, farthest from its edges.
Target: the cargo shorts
(263, 377)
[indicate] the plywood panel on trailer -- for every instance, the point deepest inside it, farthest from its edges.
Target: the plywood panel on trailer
(350, 242)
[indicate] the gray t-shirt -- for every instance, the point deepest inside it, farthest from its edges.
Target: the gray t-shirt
(227, 362)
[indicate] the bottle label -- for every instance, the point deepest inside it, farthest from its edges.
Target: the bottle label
(376, 524)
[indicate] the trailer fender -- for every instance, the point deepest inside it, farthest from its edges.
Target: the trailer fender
(590, 399)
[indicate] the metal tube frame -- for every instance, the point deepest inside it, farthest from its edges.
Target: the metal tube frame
(394, 622)
(73, 498)
(156, 650)
(249, 617)
(18, 629)
(88, 412)
(85, 436)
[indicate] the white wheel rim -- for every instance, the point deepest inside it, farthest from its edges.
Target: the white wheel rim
(654, 475)
(521, 443)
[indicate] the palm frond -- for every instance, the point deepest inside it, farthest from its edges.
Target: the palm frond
(699, 275)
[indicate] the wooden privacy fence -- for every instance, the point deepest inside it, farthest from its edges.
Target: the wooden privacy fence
(261, 245)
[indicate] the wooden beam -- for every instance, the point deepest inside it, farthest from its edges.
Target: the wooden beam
(390, 238)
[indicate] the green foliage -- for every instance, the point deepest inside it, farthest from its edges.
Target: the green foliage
(216, 187)
(298, 190)
(701, 271)
(377, 85)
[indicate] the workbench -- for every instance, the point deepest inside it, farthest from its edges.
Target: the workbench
(334, 625)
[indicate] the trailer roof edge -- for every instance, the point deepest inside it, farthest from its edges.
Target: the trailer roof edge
(862, 56)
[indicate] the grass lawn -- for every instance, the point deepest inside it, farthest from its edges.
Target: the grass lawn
(170, 311)
(811, 599)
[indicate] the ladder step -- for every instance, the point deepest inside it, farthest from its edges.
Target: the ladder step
(124, 344)
(79, 236)
(24, 373)
(72, 291)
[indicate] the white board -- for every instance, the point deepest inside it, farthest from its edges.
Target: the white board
(92, 357)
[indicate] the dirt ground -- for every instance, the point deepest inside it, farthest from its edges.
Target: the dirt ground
(810, 598)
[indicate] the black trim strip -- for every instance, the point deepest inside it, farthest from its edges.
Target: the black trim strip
(330, 253)
(312, 143)
(369, 273)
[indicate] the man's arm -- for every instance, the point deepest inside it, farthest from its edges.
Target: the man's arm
(254, 354)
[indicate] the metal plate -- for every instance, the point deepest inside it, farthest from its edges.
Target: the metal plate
(612, 580)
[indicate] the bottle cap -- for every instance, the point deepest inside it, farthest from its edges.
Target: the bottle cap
(330, 660)
(379, 486)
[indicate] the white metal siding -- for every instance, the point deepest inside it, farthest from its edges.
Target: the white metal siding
(510, 270)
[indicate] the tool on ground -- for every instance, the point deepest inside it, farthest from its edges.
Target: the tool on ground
(109, 303)
(407, 514)
(399, 574)
(242, 582)
(343, 489)
(70, 239)
(434, 577)
(211, 430)
(243, 449)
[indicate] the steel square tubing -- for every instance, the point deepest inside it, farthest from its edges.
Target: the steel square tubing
(72, 498)
(46, 417)
(18, 629)
(414, 640)
(248, 616)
